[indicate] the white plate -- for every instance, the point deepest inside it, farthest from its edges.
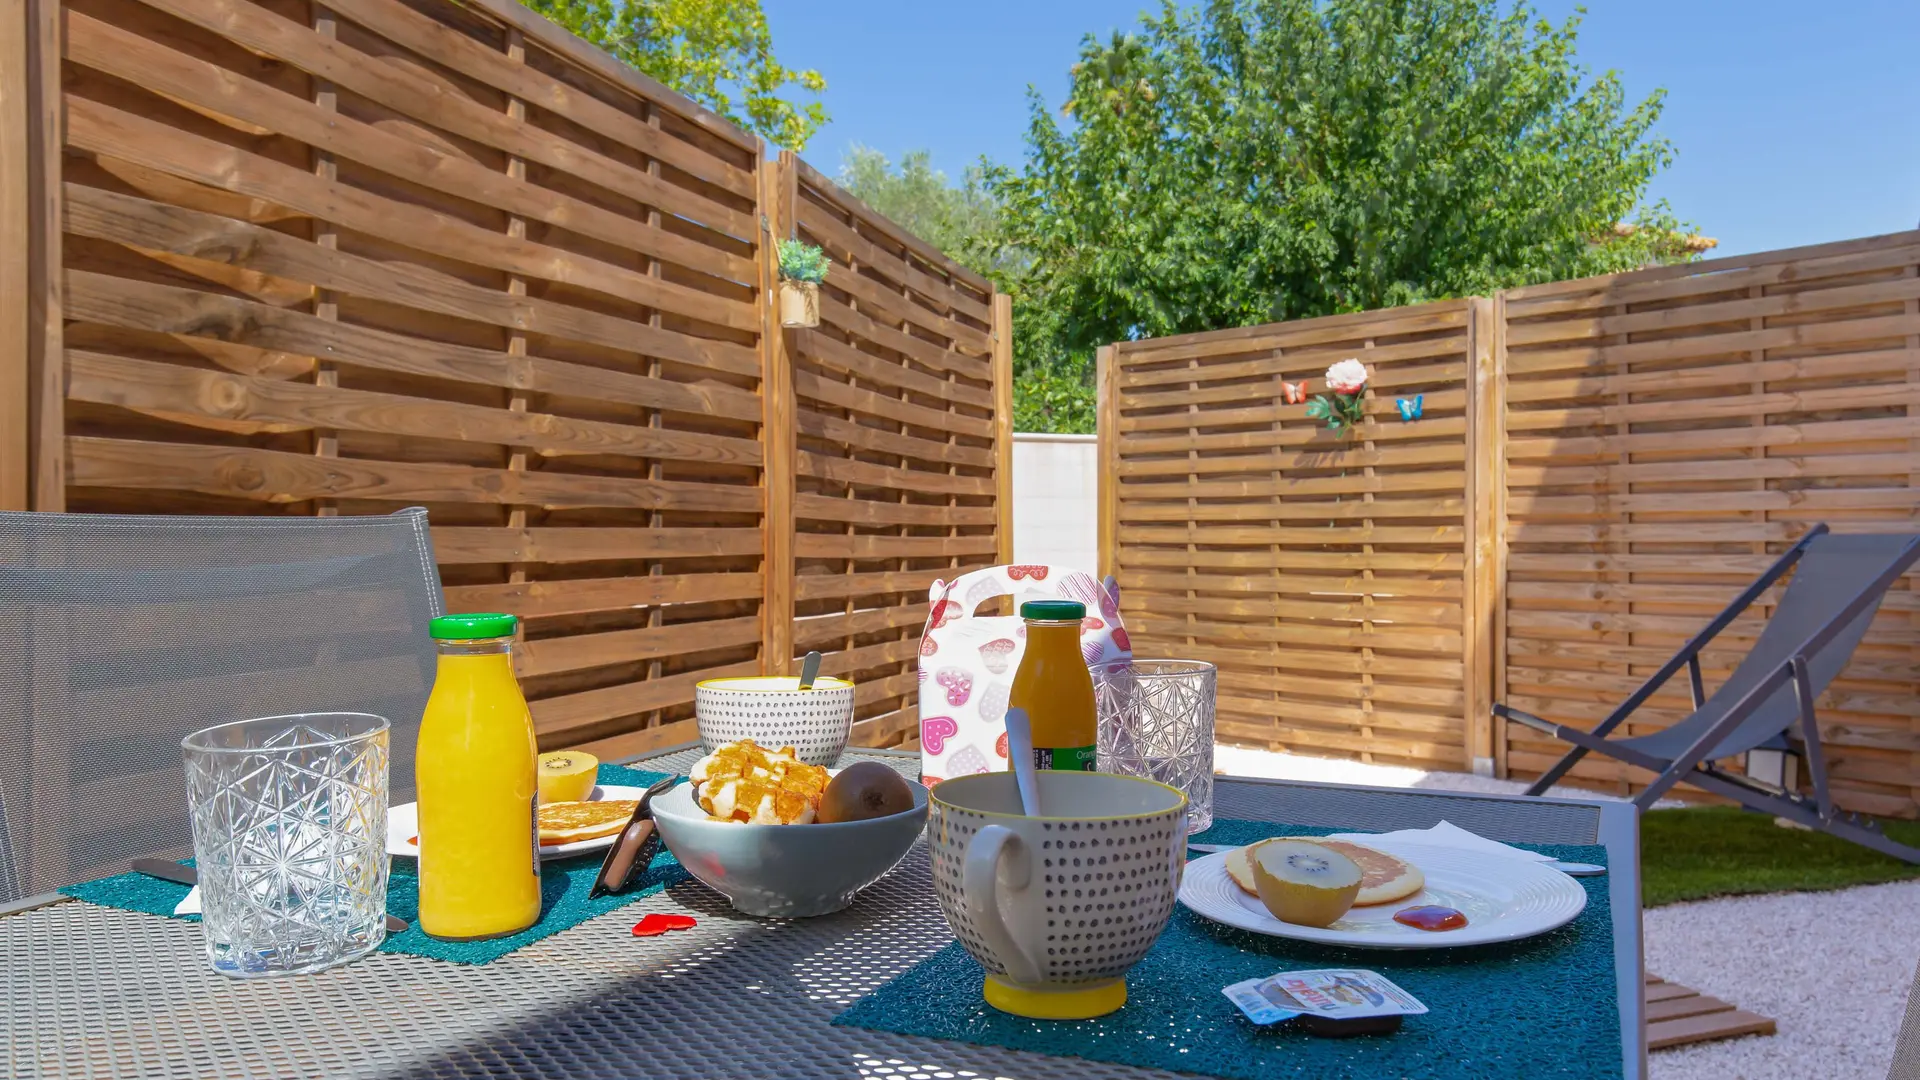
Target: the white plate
(1503, 899)
(403, 825)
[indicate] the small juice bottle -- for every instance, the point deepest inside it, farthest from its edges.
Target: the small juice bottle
(479, 796)
(1054, 686)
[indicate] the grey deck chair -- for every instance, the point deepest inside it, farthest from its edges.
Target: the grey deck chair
(120, 634)
(1838, 584)
(1906, 1046)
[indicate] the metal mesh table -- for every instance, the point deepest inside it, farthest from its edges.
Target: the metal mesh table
(96, 992)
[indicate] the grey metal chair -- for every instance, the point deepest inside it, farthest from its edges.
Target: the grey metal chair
(1906, 1046)
(119, 634)
(1838, 584)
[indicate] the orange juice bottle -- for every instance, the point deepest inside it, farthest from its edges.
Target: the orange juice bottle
(479, 797)
(1054, 687)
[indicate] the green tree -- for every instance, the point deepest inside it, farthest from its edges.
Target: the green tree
(959, 219)
(717, 52)
(1259, 160)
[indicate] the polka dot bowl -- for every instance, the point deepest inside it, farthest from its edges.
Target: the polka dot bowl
(773, 711)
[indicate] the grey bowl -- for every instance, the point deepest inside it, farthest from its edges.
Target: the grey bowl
(786, 871)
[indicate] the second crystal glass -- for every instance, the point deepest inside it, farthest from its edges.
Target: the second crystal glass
(1156, 721)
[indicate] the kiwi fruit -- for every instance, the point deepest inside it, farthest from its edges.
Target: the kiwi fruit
(1304, 884)
(566, 776)
(863, 790)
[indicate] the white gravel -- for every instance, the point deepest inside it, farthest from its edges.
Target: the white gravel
(1832, 969)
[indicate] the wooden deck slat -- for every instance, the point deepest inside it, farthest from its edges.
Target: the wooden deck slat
(1678, 1016)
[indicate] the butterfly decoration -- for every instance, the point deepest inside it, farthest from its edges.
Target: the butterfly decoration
(1410, 410)
(1293, 393)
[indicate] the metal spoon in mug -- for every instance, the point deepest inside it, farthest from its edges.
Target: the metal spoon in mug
(809, 670)
(1020, 750)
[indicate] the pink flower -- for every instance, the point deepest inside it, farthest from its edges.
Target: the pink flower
(1347, 377)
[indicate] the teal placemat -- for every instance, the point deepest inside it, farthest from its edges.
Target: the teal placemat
(564, 884)
(1544, 1007)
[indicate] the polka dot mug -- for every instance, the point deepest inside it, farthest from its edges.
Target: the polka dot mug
(1057, 908)
(773, 711)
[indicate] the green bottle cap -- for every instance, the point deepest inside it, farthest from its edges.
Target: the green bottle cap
(490, 624)
(1053, 610)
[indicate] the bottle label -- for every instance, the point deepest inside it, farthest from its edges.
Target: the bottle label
(1064, 758)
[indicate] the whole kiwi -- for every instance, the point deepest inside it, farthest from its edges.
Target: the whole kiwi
(863, 790)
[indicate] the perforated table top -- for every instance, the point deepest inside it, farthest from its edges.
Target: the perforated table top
(96, 992)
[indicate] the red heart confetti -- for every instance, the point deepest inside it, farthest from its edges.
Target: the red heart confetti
(656, 924)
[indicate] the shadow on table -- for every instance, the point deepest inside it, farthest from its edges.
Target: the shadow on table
(742, 997)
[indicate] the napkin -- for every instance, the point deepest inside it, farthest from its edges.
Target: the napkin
(1447, 834)
(189, 904)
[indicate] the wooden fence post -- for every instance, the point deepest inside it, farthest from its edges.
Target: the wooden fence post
(1003, 425)
(32, 392)
(46, 356)
(1497, 514)
(15, 163)
(777, 437)
(1486, 526)
(1107, 424)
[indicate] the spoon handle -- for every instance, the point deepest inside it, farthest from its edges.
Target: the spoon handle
(809, 670)
(1020, 749)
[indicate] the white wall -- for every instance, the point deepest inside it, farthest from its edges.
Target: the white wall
(1055, 500)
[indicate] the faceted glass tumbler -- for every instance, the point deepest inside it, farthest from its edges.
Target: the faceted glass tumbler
(289, 838)
(1156, 721)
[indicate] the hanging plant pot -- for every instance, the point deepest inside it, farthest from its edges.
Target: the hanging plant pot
(799, 303)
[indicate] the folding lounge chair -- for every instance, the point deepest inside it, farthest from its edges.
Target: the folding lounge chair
(1837, 586)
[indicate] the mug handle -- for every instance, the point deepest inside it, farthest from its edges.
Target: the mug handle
(980, 883)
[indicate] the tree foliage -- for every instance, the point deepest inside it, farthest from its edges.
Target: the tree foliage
(717, 52)
(1261, 160)
(959, 219)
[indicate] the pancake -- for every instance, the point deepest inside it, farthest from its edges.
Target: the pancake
(1384, 878)
(569, 822)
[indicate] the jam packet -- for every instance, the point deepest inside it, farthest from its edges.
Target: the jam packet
(1328, 993)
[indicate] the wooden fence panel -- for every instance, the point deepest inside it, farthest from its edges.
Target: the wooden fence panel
(1329, 580)
(348, 257)
(898, 458)
(1669, 432)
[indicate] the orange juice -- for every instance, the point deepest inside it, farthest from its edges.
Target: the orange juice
(479, 798)
(1054, 687)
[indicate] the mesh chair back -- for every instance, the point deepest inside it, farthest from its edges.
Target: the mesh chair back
(120, 634)
(1834, 570)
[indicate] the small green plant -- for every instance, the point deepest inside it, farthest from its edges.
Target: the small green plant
(803, 262)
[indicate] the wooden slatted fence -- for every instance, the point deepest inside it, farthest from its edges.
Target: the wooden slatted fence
(1602, 466)
(900, 425)
(1670, 432)
(1328, 578)
(342, 257)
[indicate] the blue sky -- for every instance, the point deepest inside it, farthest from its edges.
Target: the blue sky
(1796, 122)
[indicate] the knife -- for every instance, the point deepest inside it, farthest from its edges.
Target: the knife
(1571, 869)
(186, 875)
(635, 846)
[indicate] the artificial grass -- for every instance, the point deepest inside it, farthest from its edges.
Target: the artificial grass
(1696, 852)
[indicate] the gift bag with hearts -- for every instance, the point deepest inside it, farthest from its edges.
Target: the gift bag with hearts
(967, 661)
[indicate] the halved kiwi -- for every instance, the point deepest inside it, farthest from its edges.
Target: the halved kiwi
(1304, 884)
(566, 776)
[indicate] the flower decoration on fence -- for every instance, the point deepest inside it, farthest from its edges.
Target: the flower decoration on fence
(1343, 408)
